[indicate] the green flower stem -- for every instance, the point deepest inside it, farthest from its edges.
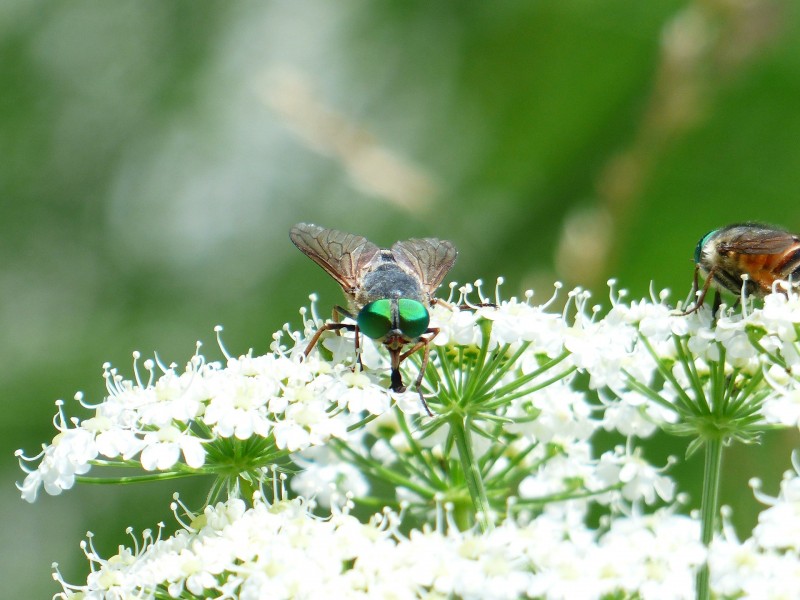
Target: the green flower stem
(135, 478)
(687, 362)
(504, 395)
(503, 392)
(246, 488)
(754, 337)
(646, 391)
(472, 472)
(386, 474)
(682, 398)
(447, 371)
(527, 503)
(710, 506)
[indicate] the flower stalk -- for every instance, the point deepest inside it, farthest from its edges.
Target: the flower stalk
(709, 508)
(472, 473)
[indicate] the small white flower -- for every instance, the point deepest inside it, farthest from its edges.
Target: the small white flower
(238, 405)
(783, 407)
(361, 393)
(66, 457)
(455, 326)
(632, 415)
(564, 415)
(323, 481)
(779, 316)
(163, 448)
(641, 480)
(602, 349)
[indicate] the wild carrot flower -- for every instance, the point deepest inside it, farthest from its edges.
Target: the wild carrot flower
(496, 494)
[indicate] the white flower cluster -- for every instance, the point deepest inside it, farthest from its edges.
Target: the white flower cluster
(283, 551)
(549, 424)
(168, 421)
(766, 565)
(519, 389)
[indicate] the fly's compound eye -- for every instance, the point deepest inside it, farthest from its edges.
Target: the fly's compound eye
(375, 319)
(413, 317)
(698, 251)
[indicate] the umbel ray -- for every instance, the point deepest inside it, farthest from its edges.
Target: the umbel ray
(388, 291)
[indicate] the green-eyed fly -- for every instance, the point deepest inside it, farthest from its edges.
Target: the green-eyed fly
(388, 291)
(763, 253)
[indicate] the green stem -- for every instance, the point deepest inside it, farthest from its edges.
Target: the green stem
(472, 472)
(709, 507)
(135, 479)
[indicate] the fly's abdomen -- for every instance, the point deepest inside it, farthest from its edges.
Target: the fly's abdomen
(789, 266)
(765, 269)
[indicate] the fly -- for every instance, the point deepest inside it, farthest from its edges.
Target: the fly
(388, 291)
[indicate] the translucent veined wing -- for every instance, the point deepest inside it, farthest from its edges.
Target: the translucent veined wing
(428, 258)
(344, 256)
(758, 240)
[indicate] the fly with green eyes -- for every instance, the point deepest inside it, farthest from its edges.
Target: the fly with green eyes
(388, 291)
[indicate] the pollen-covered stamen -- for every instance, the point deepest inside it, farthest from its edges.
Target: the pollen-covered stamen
(89, 551)
(113, 380)
(556, 289)
(178, 503)
(575, 296)
(464, 292)
(756, 484)
(220, 344)
(136, 356)
(528, 297)
(611, 296)
(452, 285)
(280, 349)
(743, 293)
(161, 366)
(479, 290)
(498, 283)
(20, 454)
(315, 318)
(59, 578)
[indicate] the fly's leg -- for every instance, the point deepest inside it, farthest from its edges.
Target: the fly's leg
(424, 344)
(323, 329)
(702, 296)
(717, 304)
(453, 307)
(337, 315)
(418, 382)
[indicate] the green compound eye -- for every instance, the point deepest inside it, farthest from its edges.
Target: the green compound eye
(375, 319)
(414, 317)
(699, 250)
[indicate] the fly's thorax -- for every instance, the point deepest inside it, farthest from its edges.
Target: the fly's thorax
(727, 267)
(724, 255)
(388, 280)
(714, 252)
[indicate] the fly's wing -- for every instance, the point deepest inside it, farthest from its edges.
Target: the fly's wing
(428, 259)
(759, 240)
(344, 256)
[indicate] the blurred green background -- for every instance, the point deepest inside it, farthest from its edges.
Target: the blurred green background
(155, 153)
